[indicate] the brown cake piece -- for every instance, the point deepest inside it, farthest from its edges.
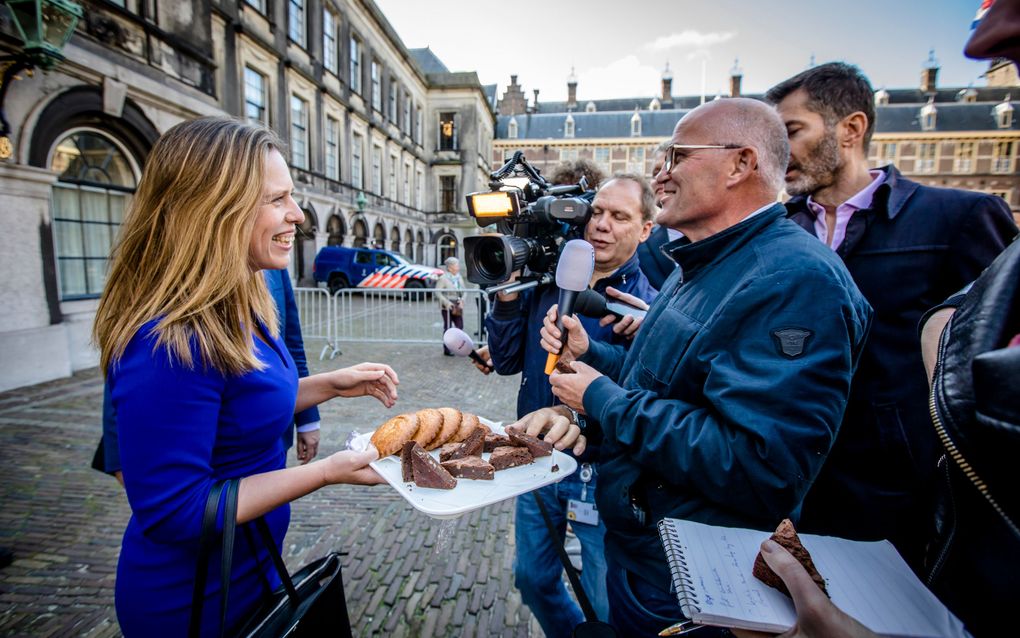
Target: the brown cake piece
(451, 424)
(470, 467)
(446, 453)
(786, 536)
(508, 456)
(468, 423)
(563, 367)
(471, 446)
(406, 471)
(391, 436)
(430, 422)
(493, 441)
(427, 470)
(535, 445)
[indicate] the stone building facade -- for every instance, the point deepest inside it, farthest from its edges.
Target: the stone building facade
(955, 137)
(383, 144)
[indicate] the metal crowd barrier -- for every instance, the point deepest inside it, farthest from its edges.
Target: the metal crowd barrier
(383, 315)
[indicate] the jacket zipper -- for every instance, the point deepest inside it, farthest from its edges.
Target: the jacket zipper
(940, 560)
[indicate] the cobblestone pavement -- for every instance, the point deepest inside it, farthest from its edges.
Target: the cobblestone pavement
(406, 574)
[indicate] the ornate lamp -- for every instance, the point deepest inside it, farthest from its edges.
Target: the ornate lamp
(361, 200)
(45, 27)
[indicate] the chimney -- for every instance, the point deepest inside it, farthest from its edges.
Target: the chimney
(667, 85)
(571, 90)
(535, 106)
(930, 74)
(736, 75)
(513, 100)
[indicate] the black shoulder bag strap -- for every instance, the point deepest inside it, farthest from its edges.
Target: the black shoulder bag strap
(212, 504)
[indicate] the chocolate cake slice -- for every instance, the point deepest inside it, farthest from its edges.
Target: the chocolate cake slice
(406, 472)
(506, 456)
(446, 453)
(428, 472)
(493, 441)
(470, 467)
(471, 446)
(786, 536)
(535, 445)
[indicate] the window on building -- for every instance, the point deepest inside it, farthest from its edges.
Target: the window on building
(357, 173)
(92, 193)
(889, 152)
(407, 184)
(298, 132)
(296, 21)
(355, 64)
(391, 184)
(568, 127)
(419, 189)
(568, 154)
(635, 125)
(329, 39)
(407, 114)
(929, 115)
(1004, 114)
(419, 124)
(332, 148)
(1002, 161)
(393, 100)
(377, 170)
(255, 97)
(376, 88)
(447, 193)
(511, 128)
(258, 5)
(963, 162)
(925, 162)
(447, 132)
(602, 156)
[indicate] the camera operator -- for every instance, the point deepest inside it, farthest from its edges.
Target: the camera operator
(622, 218)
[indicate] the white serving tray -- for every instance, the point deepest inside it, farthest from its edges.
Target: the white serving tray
(469, 494)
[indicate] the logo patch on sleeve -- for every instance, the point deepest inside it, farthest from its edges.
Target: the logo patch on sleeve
(791, 341)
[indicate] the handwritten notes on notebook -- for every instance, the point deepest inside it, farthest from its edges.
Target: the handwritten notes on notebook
(868, 580)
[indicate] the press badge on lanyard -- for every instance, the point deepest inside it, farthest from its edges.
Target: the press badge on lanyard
(580, 511)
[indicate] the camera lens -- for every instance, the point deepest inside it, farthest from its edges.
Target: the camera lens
(492, 259)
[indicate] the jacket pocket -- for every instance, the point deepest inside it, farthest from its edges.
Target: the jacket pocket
(664, 347)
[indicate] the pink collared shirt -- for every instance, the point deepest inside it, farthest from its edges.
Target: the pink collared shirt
(844, 211)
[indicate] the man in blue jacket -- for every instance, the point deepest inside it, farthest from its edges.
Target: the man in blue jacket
(908, 247)
(621, 219)
(729, 398)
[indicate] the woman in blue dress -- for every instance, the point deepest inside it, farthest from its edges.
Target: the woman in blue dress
(202, 384)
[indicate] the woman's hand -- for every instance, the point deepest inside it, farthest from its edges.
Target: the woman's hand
(556, 426)
(366, 379)
(351, 467)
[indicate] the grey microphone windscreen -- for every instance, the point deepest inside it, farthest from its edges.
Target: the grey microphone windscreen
(458, 342)
(576, 265)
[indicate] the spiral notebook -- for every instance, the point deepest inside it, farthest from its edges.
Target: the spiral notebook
(711, 569)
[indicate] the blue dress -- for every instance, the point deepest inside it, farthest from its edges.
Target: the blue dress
(181, 431)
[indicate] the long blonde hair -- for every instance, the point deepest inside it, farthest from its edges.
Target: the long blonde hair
(183, 252)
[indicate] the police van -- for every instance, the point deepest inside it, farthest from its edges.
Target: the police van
(341, 267)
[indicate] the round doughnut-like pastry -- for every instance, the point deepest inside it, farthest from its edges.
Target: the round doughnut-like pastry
(451, 423)
(468, 423)
(391, 436)
(430, 422)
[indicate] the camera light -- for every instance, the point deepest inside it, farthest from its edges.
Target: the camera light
(496, 204)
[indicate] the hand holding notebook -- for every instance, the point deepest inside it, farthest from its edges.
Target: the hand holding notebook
(868, 581)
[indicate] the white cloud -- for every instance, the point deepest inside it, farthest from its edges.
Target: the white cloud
(690, 38)
(625, 77)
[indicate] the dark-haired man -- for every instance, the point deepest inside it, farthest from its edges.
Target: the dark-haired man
(908, 247)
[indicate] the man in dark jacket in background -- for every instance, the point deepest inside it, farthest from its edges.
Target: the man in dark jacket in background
(621, 219)
(654, 263)
(733, 390)
(908, 247)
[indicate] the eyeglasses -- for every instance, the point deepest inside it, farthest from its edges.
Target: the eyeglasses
(676, 153)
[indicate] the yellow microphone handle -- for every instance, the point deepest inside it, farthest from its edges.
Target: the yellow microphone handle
(550, 363)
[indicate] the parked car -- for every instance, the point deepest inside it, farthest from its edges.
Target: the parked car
(341, 267)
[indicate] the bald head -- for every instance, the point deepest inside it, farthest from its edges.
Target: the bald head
(747, 122)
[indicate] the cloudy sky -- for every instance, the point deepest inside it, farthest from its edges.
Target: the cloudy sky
(620, 47)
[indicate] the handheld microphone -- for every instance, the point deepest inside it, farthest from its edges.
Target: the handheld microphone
(573, 274)
(592, 304)
(459, 343)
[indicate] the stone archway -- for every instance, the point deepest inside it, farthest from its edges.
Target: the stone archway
(420, 254)
(409, 244)
(395, 238)
(304, 255)
(379, 236)
(335, 230)
(360, 233)
(446, 246)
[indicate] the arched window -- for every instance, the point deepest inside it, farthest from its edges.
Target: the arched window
(447, 243)
(420, 255)
(94, 188)
(409, 244)
(395, 239)
(568, 126)
(379, 237)
(1004, 114)
(511, 128)
(360, 233)
(335, 231)
(635, 125)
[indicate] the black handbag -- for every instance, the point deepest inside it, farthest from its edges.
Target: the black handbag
(310, 602)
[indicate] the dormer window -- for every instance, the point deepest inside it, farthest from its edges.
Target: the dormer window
(881, 97)
(589, 107)
(635, 125)
(568, 126)
(654, 105)
(1003, 114)
(928, 115)
(511, 128)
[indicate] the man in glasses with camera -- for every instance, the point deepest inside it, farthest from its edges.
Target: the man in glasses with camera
(732, 392)
(908, 247)
(621, 219)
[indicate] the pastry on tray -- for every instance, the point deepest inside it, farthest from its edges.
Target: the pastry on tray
(392, 435)
(426, 470)
(507, 456)
(451, 424)
(468, 423)
(430, 422)
(535, 445)
(786, 536)
(470, 467)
